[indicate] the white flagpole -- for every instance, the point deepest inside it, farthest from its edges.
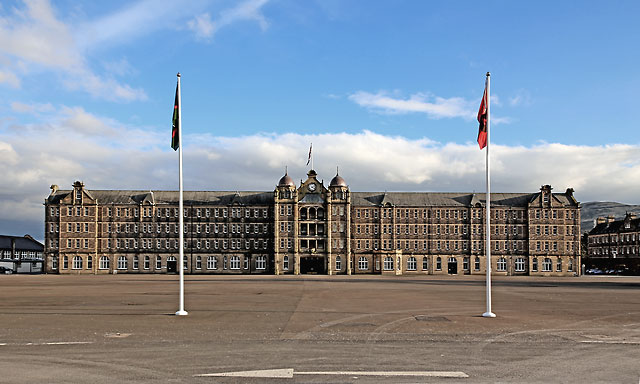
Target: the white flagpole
(181, 311)
(488, 313)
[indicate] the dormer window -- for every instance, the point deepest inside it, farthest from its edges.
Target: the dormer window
(545, 197)
(78, 194)
(627, 225)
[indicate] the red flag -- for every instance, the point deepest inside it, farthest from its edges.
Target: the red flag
(482, 119)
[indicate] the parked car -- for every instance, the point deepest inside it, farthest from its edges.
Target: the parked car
(5, 270)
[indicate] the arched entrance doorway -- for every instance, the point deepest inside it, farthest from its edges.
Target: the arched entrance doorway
(172, 265)
(312, 265)
(453, 266)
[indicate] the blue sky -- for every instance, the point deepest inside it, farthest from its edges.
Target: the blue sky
(385, 90)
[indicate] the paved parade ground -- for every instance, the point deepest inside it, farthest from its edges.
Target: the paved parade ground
(318, 329)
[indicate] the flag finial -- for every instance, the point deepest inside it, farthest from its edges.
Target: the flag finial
(179, 74)
(488, 74)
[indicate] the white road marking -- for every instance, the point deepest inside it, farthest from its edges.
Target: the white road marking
(609, 342)
(390, 373)
(288, 373)
(50, 343)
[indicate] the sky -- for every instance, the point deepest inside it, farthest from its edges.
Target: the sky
(388, 91)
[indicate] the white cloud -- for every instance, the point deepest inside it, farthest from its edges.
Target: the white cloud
(439, 107)
(31, 108)
(522, 97)
(202, 26)
(38, 40)
(434, 107)
(9, 78)
(205, 28)
(73, 144)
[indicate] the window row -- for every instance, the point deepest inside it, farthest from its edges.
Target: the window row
(618, 251)
(78, 211)
(163, 244)
(262, 212)
(568, 214)
(188, 228)
(232, 262)
(24, 255)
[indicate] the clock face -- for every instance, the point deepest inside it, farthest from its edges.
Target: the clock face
(312, 187)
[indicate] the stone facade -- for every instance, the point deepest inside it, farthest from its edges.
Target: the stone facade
(615, 244)
(311, 228)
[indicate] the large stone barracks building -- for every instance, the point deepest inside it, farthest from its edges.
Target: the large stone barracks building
(311, 228)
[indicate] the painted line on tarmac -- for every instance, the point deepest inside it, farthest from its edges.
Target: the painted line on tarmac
(50, 343)
(609, 342)
(288, 373)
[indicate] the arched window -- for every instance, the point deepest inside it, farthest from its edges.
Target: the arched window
(388, 263)
(198, 262)
(158, 262)
(234, 262)
(534, 264)
(412, 264)
(135, 262)
(320, 213)
(547, 265)
(285, 263)
(502, 265)
(89, 262)
(465, 263)
(425, 263)
(338, 263)
(520, 264)
(261, 262)
(559, 265)
(570, 267)
(363, 263)
(476, 264)
(146, 262)
(212, 262)
(77, 262)
(122, 262)
(303, 213)
(438, 263)
(65, 262)
(54, 262)
(104, 262)
(312, 213)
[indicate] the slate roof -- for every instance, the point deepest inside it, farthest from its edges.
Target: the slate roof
(22, 243)
(362, 199)
(441, 199)
(615, 227)
(171, 197)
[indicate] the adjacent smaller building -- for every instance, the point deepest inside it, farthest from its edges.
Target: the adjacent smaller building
(615, 244)
(20, 254)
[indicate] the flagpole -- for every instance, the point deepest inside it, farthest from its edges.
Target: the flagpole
(488, 313)
(181, 311)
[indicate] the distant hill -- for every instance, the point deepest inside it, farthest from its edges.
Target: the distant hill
(594, 209)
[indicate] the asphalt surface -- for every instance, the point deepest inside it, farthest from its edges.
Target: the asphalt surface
(327, 329)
